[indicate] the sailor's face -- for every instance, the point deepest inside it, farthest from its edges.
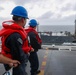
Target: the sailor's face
(25, 20)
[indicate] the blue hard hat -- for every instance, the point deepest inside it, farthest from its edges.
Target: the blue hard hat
(20, 11)
(33, 23)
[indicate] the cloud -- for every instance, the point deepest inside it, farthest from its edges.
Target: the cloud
(69, 20)
(47, 15)
(20, 2)
(46, 11)
(74, 8)
(1, 8)
(66, 7)
(23, 2)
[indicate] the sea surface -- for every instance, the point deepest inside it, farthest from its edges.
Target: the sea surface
(55, 28)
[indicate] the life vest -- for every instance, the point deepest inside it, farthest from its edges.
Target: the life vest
(30, 29)
(10, 27)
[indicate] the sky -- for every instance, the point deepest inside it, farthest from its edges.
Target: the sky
(46, 12)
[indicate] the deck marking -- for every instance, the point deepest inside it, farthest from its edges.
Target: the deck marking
(42, 72)
(43, 65)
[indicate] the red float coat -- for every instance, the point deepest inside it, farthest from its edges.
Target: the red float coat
(30, 29)
(10, 27)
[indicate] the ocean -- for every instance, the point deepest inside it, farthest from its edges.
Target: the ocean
(55, 28)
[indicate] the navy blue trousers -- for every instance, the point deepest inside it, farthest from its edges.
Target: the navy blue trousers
(34, 62)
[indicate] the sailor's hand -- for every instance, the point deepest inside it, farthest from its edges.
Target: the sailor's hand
(28, 53)
(14, 63)
(32, 50)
